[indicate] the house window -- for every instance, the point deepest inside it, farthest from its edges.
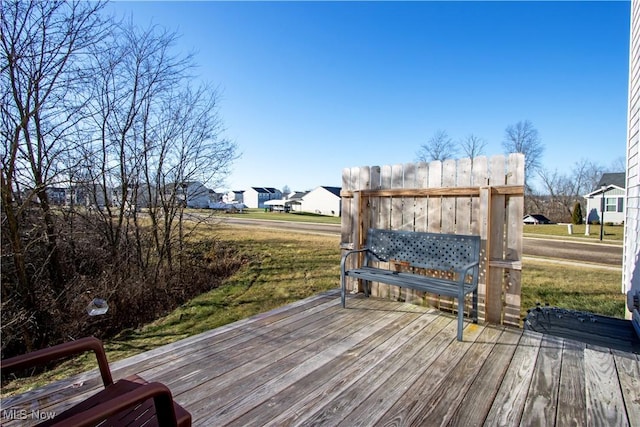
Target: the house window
(613, 204)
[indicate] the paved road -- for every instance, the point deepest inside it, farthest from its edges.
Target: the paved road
(596, 253)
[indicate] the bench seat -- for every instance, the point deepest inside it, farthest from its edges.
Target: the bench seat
(410, 280)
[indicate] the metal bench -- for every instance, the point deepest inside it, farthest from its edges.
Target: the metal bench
(451, 260)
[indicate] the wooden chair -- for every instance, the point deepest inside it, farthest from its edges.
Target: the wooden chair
(127, 402)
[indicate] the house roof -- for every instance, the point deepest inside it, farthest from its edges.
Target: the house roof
(618, 179)
(265, 190)
(609, 180)
(296, 195)
(333, 190)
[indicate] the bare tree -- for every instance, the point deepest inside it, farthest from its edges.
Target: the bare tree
(186, 148)
(473, 146)
(112, 113)
(439, 147)
(523, 138)
(619, 164)
(586, 175)
(43, 71)
(561, 191)
(155, 135)
(137, 71)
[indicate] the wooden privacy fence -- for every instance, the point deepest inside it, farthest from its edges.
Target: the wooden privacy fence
(482, 196)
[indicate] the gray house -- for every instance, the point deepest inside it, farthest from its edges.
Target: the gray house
(611, 191)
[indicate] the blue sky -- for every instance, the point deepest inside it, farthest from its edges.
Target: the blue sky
(309, 88)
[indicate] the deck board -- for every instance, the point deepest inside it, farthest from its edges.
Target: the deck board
(321, 385)
(440, 405)
(542, 396)
(376, 362)
(407, 410)
(572, 403)
(628, 367)
(473, 410)
(508, 403)
(605, 405)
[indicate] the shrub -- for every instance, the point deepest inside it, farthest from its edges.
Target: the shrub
(136, 293)
(577, 213)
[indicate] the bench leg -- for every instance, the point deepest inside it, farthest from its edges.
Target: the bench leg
(475, 306)
(366, 287)
(343, 296)
(460, 315)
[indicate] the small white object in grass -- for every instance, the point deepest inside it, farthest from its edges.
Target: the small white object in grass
(97, 307)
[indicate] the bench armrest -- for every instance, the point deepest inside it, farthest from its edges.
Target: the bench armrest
(343, 261)
(462, 272)
(46, 355)
(162, 400)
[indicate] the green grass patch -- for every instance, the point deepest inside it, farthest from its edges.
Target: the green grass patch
(610, 232)
(576, 288)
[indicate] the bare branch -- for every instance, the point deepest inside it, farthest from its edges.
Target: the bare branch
(439, 147)
(473, 146)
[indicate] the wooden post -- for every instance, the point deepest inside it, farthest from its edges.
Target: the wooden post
(349, 232)
(485, 236)
(513, 253)
(434, 213)
(397, 212)
(479, 221)
(495, 248)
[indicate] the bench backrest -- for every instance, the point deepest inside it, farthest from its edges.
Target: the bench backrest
(424, 250)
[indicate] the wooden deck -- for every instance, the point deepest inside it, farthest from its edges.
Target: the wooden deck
(376, 363)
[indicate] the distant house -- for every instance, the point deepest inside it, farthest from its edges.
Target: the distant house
(323, 200)
(234, 196)
(536, 219)
(193, 194)
(57, 195)
(142, 196)
(89, 194)
(296, 197)
(255, 197)
(227, 207)
(611, 191)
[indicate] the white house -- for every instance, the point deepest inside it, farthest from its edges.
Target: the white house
(631, 253)
(192, 193)
(255, 197)
(611, 191)
(296, 197)
(234, 196)
(323, 200)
